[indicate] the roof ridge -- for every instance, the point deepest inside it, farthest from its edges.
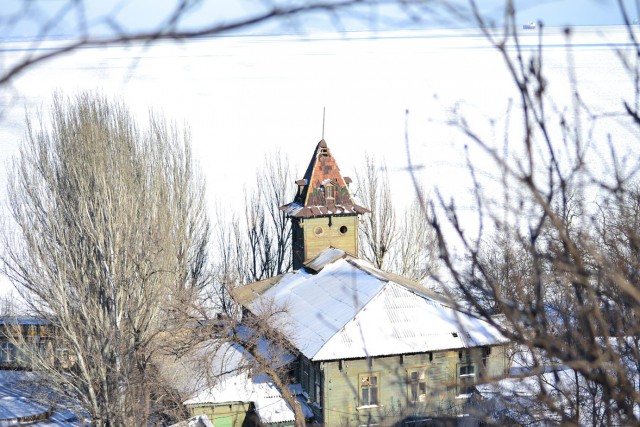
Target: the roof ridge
(311, 171)
(403, 281)
(354, 317)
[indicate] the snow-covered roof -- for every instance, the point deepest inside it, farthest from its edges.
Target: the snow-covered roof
(260, 389)
(20, 404)
(340, 307)
(219, 360)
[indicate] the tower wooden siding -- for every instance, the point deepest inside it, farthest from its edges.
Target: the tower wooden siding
(322, 232)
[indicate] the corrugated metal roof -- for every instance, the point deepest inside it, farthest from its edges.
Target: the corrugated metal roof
(350, 309)
(23, 320)
(399, 321)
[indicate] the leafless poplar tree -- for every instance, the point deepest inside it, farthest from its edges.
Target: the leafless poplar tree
(378, 230)
(417, 254)
(407, 247)
(258, 246)
(268, 229)
(109, 244)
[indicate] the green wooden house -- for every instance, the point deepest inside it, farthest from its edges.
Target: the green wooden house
(372, 347)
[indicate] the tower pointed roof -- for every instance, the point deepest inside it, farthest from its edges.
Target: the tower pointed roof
(323, 190)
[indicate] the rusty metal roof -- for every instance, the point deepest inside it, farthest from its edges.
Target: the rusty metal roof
(299, 211)
(313, 198)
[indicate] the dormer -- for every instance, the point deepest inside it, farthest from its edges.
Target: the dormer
(301, 183)
(324, 150)
(329, 190)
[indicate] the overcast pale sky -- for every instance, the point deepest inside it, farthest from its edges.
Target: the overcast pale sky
(241, 95)
(25, 18)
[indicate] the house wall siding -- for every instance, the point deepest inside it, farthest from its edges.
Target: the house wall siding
(224, 413)
(342, 399)
(19, 341)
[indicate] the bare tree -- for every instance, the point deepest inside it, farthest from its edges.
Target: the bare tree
(268, 229)
(230, 262)
(257, 247)
(8, 306)
(555, 251)
(109, 245)
(417, 255)
(260, 328)
(377, 231)
(260, 246)
(407, 247)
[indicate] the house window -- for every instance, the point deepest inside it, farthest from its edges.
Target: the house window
(486, 351)
(466, 379)
(7, 352)
(369, 390)
(62, 354)
(417, 385)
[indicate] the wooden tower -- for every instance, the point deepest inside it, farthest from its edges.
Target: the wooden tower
(323, 214)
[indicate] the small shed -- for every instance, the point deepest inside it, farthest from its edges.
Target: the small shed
(241, 397)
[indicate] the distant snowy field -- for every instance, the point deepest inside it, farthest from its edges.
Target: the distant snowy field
(246, 97)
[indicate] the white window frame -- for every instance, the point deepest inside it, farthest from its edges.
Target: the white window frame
(466, 380)
(369, 382)
(7, 350)
(329, 192)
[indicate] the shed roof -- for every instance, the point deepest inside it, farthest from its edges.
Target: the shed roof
(342, 307)
(239, 385)
(259, 389)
